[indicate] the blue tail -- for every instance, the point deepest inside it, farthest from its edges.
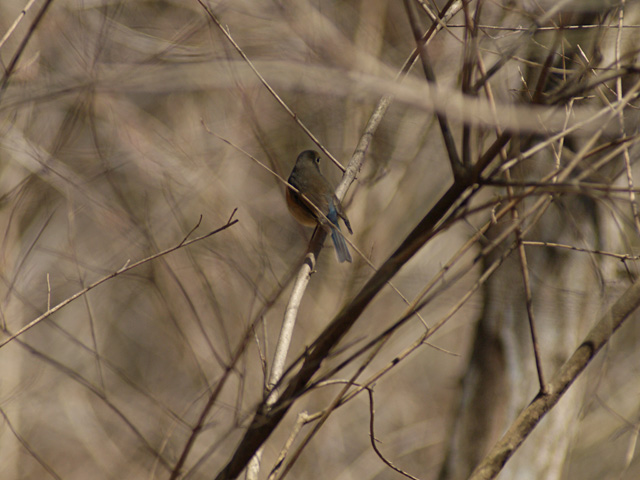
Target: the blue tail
(341, 246)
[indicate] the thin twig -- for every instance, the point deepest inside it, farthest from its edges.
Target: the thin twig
(518, 234)
(302, 420)
(422, 300)
(16, 22)
(619, 91)
(29, 448)
(267, 418)
(127, 266)
(335, 403)
(520, 429)
(454, 159)
(372, 437)
(296, 118)
(48, 292)
(231, 365)
(524, 268)
(23, 44)
(620, 256)
(539, 29)
(77, 377)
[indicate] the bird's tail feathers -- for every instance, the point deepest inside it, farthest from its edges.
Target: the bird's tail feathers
(342, 251)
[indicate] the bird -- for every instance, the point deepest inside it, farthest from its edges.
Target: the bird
(315, 194)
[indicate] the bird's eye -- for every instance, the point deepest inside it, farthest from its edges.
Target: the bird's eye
(317, 159)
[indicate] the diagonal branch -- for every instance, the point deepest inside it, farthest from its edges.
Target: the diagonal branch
(127, 266)
(267, 418)
(23, 44)
(454, 158)
(568, 373)
(296, 118)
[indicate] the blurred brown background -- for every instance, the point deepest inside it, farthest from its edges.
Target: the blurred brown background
(111, 129)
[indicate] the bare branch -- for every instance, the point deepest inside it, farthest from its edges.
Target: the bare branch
(520, 429)
(127, 266)
(23, 44)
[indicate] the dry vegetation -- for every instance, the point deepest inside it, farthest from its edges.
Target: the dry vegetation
(133, 348)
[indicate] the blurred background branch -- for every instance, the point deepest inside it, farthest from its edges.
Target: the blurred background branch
(111, 120)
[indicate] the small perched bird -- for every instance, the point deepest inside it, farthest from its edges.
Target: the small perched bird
(320, 196)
